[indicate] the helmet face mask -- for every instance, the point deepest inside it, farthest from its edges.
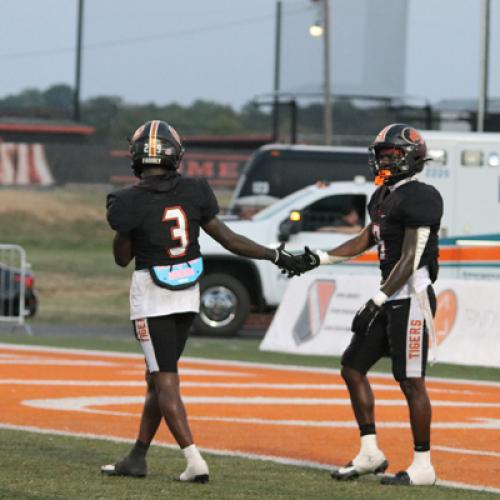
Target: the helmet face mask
(155, 144)
(399, 151)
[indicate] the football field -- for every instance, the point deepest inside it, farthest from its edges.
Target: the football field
(287, 414)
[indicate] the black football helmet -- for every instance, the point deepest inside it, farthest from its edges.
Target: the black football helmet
(155, 143)
(410, 145)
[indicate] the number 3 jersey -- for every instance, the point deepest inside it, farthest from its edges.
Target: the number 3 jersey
(409, 204)
(162, 214)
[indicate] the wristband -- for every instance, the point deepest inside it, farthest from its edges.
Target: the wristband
(326, 259)
(379, 298)
(276, 255)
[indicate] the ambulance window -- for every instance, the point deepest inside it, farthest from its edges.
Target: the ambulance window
(334, 213)
(472, 158)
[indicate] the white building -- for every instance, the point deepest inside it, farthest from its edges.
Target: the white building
(368, 47)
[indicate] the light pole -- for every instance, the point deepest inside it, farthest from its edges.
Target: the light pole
(328, 128)
(76, 103)
(483, 90)
(323, 29)
(277, 67)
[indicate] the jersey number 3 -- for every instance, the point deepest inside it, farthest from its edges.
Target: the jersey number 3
(179, 231)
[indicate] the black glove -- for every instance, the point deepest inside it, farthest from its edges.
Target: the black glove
(364, 317)
(286, 262)
(307, 261)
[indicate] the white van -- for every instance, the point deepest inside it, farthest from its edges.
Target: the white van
(277, 170)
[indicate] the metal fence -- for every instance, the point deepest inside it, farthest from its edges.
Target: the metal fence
(16, 283)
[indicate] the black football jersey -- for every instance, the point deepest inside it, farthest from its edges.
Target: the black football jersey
(413, 204)
(162, 215)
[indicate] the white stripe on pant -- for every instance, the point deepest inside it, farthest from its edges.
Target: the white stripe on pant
(414, 340)
(142, 334)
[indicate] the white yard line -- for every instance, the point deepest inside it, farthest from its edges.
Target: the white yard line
(277, 367)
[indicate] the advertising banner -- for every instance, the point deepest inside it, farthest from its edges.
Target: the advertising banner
(316, 312)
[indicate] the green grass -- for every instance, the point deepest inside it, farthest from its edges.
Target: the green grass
(68, 243)
(36, 466)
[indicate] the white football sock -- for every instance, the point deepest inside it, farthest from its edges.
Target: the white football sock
(191, 453)
(368, 444)
(421, 460)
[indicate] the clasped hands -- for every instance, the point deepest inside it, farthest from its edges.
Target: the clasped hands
(295, 265)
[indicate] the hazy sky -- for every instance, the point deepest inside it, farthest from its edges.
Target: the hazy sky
(222, 50)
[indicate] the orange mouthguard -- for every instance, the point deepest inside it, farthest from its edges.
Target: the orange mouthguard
(382, 175)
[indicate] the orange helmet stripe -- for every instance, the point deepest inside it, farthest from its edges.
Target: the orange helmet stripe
(153, 132)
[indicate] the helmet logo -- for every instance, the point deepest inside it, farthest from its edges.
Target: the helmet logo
(138, 132)
(411, 136)
(174, 134)
(381, 135)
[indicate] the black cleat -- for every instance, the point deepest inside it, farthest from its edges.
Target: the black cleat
(400, 479)
(419, 477)
(133, 467)
(195, 473)
(351, 471)
(200, 478)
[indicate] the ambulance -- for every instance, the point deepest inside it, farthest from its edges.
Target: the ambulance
(465, 168)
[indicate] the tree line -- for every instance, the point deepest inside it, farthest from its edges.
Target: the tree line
(113, 118)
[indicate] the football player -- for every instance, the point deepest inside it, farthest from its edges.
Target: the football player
(405, 219)
(157, 223)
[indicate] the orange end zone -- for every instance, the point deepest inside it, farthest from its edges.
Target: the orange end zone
(297, 413)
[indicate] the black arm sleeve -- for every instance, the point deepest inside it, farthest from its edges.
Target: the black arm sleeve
(426, 209)
(120, 214)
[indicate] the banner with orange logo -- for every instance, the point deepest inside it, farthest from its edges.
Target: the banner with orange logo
(316, 312)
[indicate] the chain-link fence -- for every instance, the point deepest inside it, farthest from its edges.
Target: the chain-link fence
(17, 296)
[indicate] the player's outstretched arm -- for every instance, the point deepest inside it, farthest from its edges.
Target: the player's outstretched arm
(241, 245)
(355, 246)
(122, 249)
(351, 248)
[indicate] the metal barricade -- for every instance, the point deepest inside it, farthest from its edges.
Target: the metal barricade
(14, 276)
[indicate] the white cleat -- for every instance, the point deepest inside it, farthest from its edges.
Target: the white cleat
(363, 464)
(196, 472)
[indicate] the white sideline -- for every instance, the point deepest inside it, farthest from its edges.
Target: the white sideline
(228, 385)
(251, 456)
(114, 354)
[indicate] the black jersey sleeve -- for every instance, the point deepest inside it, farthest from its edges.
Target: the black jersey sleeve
(422, 208)
(209, 204)
(120, 213)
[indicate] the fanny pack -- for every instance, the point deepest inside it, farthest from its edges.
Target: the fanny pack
(178, 276)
